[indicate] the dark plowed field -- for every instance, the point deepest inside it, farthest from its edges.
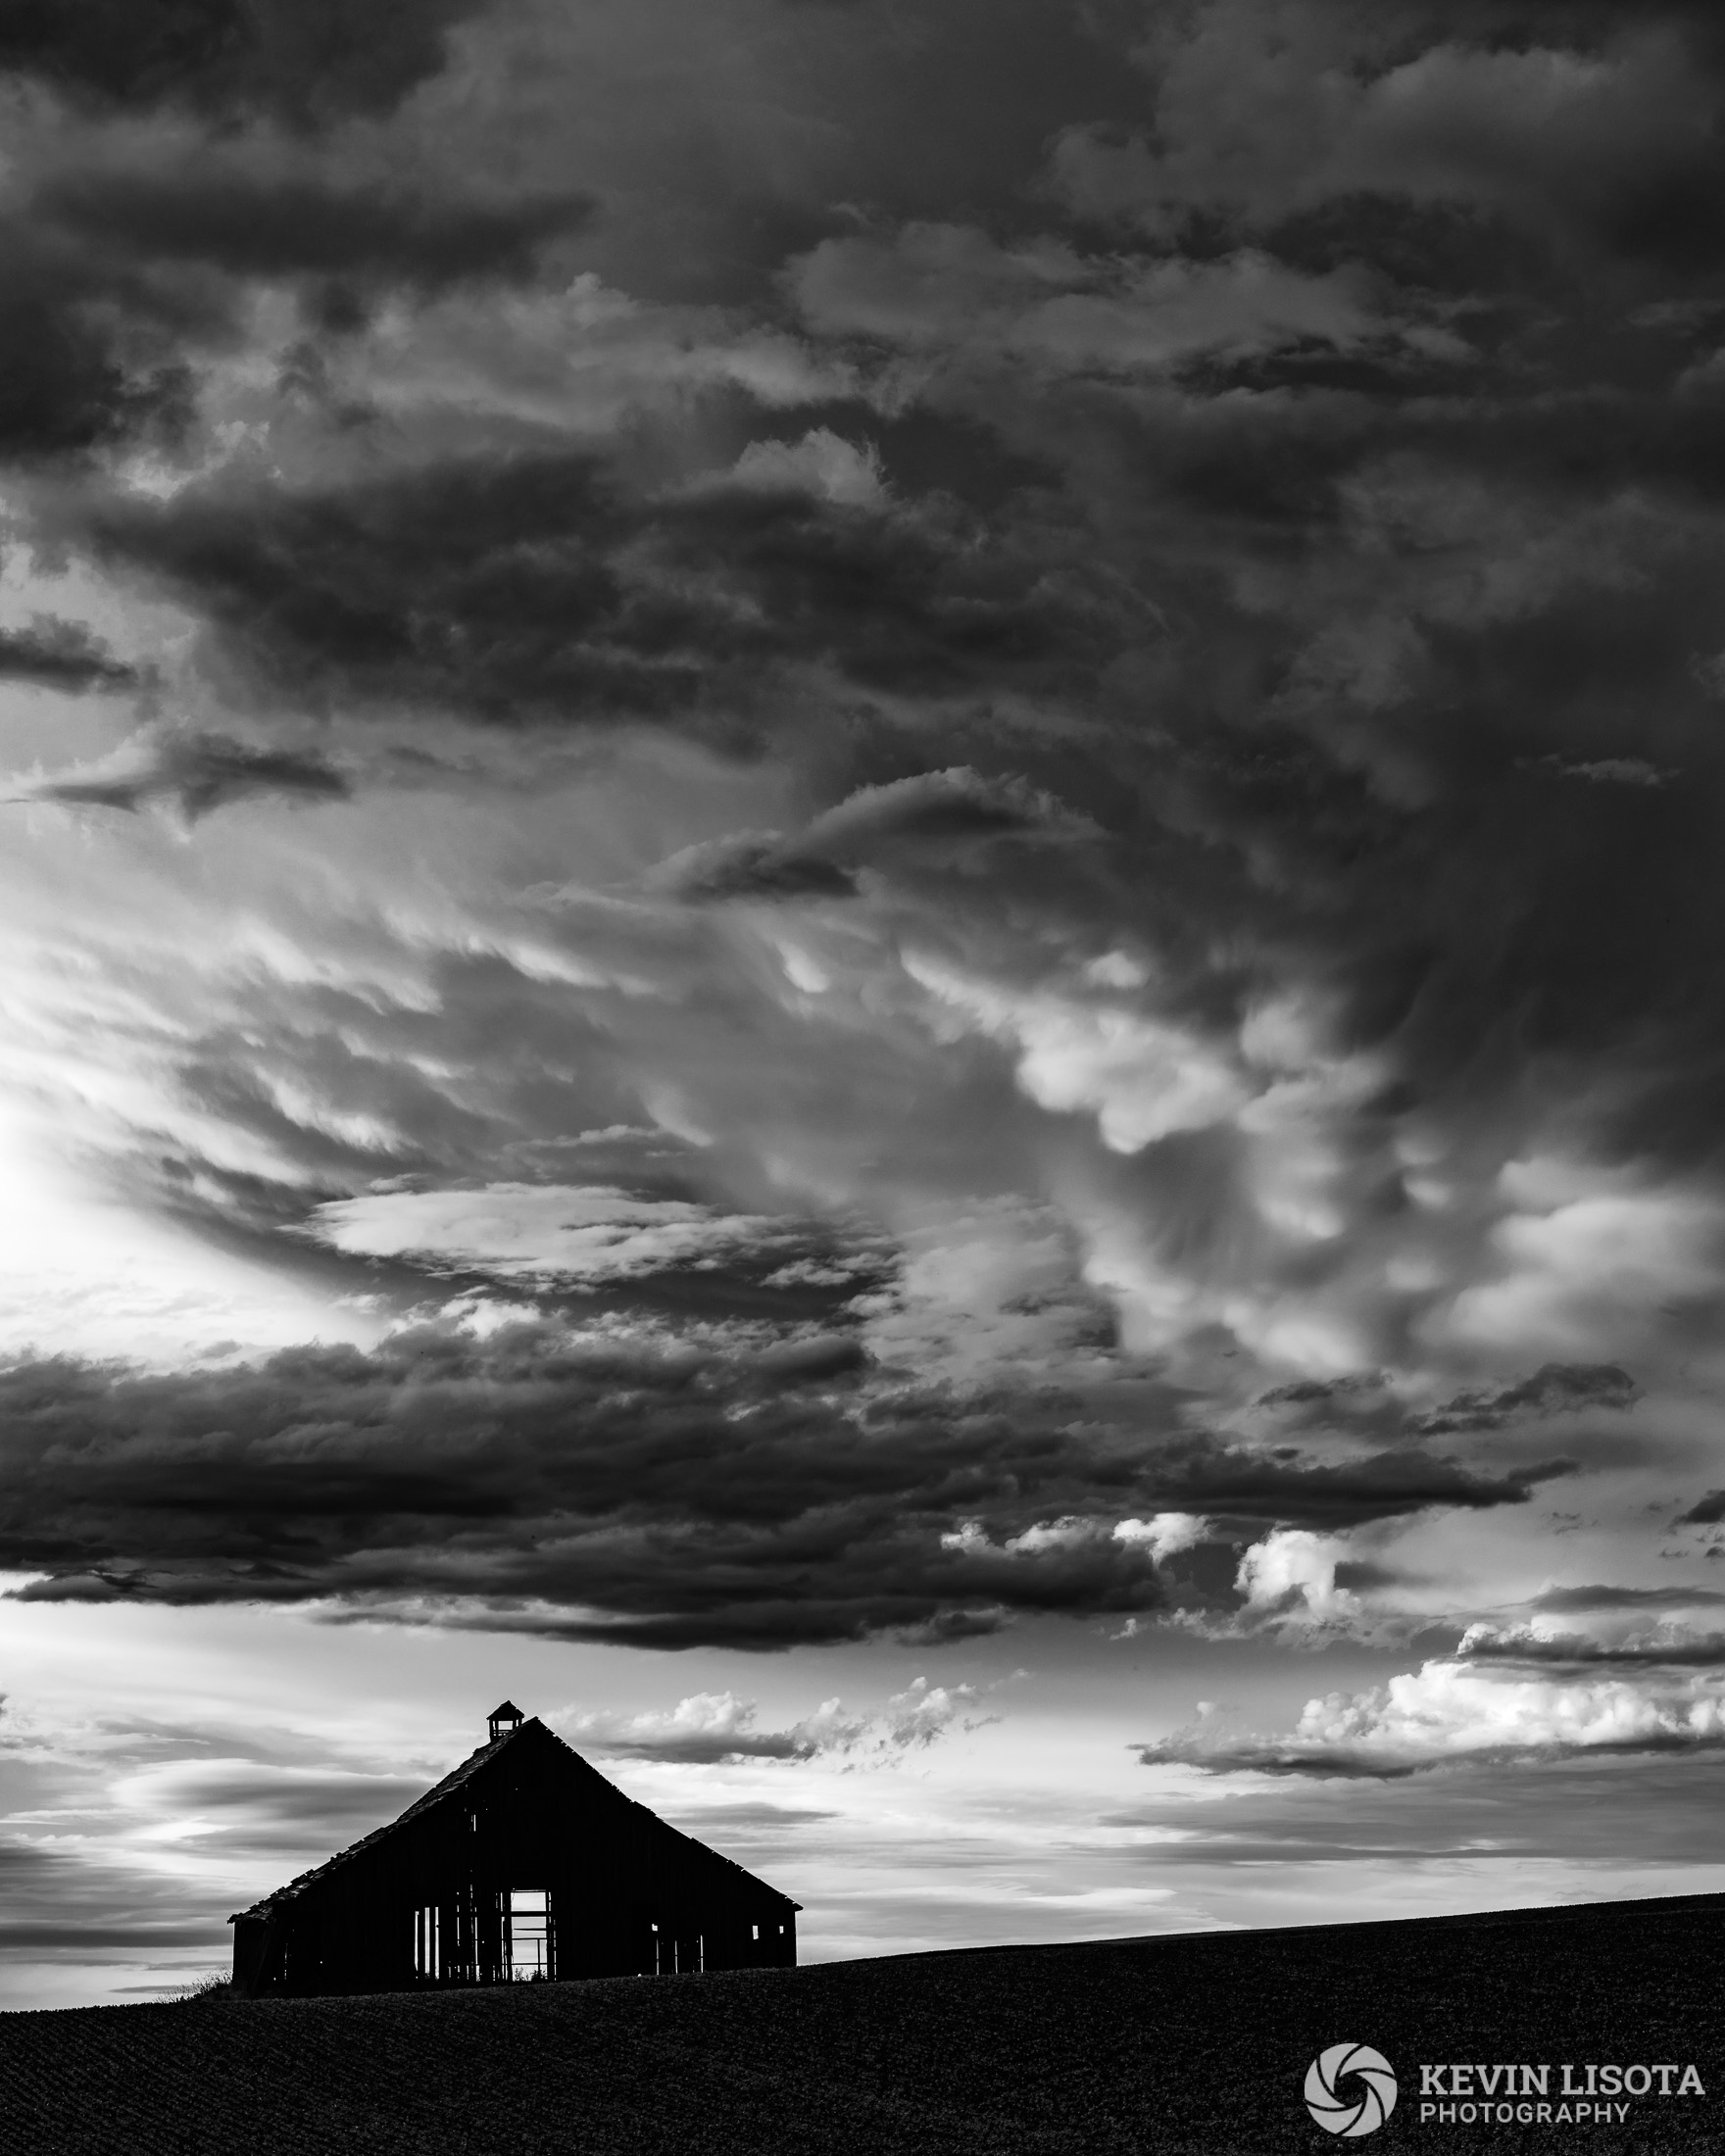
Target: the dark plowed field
(1168, 2045)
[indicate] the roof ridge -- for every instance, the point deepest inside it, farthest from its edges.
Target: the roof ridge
(455, 1780)
(437, 1792)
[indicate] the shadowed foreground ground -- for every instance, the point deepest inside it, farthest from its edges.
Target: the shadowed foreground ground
(1194, 2043)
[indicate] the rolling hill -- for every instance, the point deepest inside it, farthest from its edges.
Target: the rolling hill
(1191, 2043)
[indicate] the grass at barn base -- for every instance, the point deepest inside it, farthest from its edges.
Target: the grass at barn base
(1169, 2044)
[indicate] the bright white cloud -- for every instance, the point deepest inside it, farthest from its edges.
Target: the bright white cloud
(711, 1726)
(1449, 1708)
(1587, 1260)
(1143, 1079)
(1292, 1572)
(523, 1230)
(1164, 1533)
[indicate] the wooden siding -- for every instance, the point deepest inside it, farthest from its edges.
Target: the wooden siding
(628, 1896)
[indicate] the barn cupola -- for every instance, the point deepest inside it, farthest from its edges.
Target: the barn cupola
(504, 1721)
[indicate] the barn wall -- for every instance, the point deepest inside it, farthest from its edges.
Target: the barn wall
(628, 1894)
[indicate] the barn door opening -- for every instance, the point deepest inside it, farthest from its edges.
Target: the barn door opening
(528, 1949)
(428, 1943)
(677, 1953)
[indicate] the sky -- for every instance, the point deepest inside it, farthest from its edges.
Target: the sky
(863, 913)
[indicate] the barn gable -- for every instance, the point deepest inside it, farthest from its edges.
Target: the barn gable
(524, 1862)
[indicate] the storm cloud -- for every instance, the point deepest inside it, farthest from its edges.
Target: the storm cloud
(224, 57)
(588, 1487)
(910, 818)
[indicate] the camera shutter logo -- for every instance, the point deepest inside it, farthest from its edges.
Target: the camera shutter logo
(1367, 2102)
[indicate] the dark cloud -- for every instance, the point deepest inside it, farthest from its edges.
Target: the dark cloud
(1377, 771)
(1269, 1758)
(84, 362)
(707, 1751)
(584, 1487)
(1706, 1511)
(537, 587)
(298, 61)
(198, 774)
(61, 654)
(936, 816)
(255, 224)
(1339, 1763)
(1554, 1389)
(1283, 458)
(751, 864)
(1674, 1650)
(1579, 1599)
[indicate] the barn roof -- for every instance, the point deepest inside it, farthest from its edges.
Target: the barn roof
(529, 1731)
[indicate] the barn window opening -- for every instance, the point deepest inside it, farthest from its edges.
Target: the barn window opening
(755, 1931)
(428, 1943)
(527, 1939)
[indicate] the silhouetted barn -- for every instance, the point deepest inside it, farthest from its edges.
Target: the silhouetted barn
(523, 1863)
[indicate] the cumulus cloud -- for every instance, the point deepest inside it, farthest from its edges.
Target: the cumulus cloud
(1295, 1569)
(1509, 1710)
(709, 1727)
